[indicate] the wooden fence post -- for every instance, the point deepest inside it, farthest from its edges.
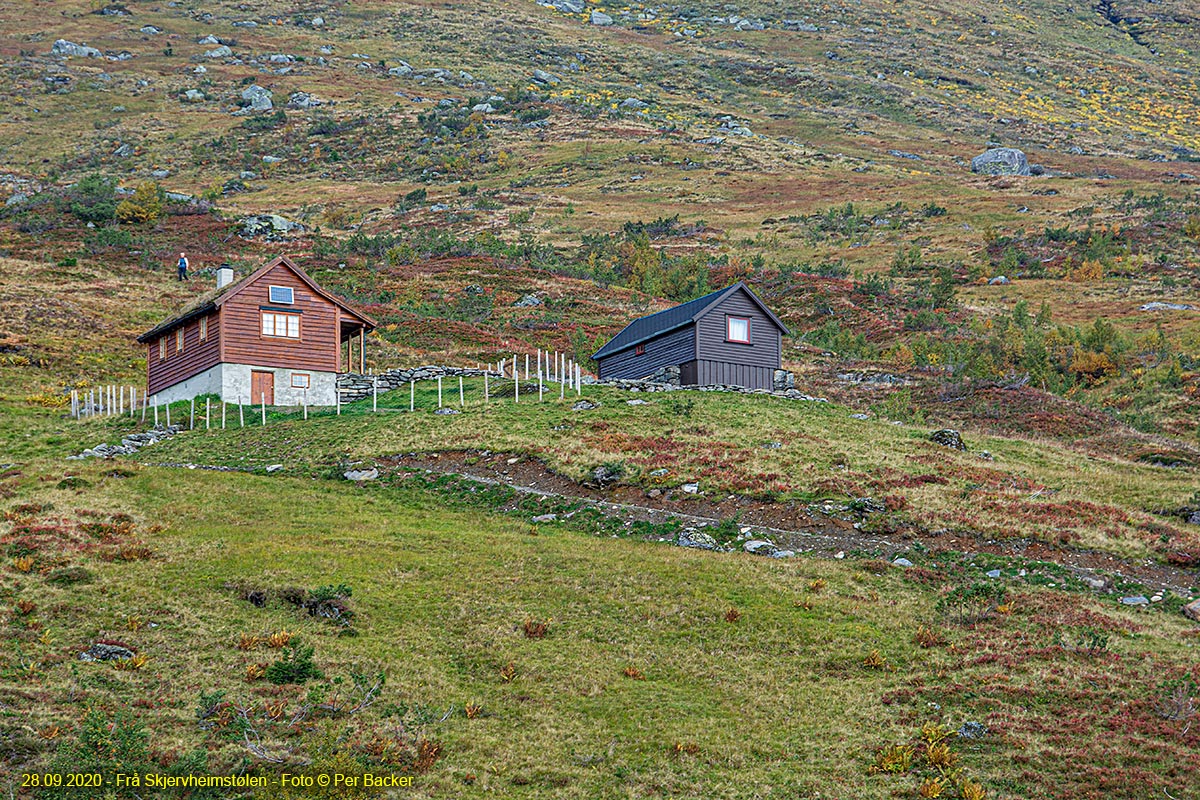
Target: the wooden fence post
(541, 395)
(207, 412)
(146, 402)
(485, 388)
(439, 391)
(527, 366)
(306, 403)
(412, 395)
(192, 416)
(375, 394)
(462, 398)
(156, 415)
(517, 388)
(241, 412)
(168, 407)
(337, 399)
(262, 396)
(222, 415)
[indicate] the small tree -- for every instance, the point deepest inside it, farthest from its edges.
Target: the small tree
(146, 204)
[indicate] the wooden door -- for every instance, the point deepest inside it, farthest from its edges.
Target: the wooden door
(262, 387)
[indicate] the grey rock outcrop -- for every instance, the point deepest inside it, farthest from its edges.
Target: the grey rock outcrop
(62, 47)
(268, 226)
(1001, 161)
(257, 99)
(948, 437)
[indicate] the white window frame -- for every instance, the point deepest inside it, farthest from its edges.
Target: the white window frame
(162, 348)
(271, 325)
(179, 337)
(729, 337)
(301, 380)
(291, 295)
(204, 329)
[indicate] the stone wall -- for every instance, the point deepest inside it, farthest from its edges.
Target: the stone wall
(356, 387)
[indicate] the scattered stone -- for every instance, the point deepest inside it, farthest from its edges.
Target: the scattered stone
(210, 39)
(1157, 306)
(193, 96)
(546, 78)
(1192, 610)
(600, 18)
(302, 100)
(16, 199)
(1136, 600)
(660, 472)
(447, 411)
(902, 562)
(106, 652)
(401, 71)
(528, 301)
(772, 445)
(151, 30)
(633, 104)
(62, 47)
(258, 99)
(584, 405)
(1156, 598)
(269, 226)
(860, 416)
(605, 475)
(760, 547)
(545, 518)
(690, 488)
(219, 52)
(361, 474)
(483, 108)
(839, 555)
(948, 437)
(274, 468)
(691, 537)
(200, 69)
(638, 402)
(1096, 583)
(993, 573)
(1000, 161)
(972, 730)
(902, 154)
(1194, 519)
(317, 22)
(986, 456)
(999, 280)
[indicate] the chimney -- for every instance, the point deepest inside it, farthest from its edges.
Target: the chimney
(224, 276)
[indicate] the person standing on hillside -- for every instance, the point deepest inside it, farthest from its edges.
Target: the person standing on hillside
(182, 267)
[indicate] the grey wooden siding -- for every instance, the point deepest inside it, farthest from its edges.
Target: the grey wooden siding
(706, 373)
(667, 350)
(764, 350)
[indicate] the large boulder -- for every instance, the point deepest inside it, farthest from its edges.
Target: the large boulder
(62, 47)
(1192, 610)
(269, 226)
(948, 437)
(691, 537)
(257, 99)
(219, 52)
(1001, 161)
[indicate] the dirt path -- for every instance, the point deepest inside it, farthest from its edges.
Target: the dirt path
(790, 525)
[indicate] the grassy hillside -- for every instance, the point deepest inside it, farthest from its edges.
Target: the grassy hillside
(660, 670)
(493, 178)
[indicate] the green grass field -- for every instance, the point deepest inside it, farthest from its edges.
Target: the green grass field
(794, 697)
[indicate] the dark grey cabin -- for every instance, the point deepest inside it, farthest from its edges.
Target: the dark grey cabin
(726, 337)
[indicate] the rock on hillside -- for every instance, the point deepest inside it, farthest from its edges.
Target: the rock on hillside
(1001, 161)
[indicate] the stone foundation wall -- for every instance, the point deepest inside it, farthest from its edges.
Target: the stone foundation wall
(353, 386)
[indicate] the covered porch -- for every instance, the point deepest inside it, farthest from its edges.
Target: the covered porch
(352, 350)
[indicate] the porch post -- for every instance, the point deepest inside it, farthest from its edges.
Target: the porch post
(362, 350)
